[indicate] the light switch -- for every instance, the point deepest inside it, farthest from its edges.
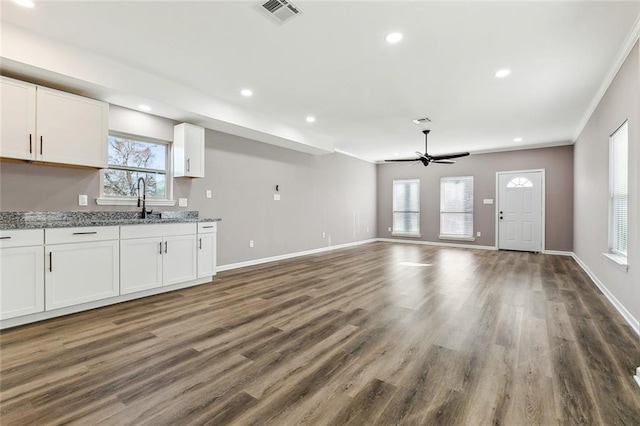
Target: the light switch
(276, 197)
(182, 202)
(208, 193)
(82, 200)
(487, 201)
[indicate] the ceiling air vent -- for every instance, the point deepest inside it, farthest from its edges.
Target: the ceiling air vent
(279, 11)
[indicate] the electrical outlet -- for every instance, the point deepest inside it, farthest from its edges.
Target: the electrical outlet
(208, 193)
(389, 229)
(276, 197)
(182, 202)
(82, 200)
(324, 235)
(367, 229)
(478, 234)
(250, 243)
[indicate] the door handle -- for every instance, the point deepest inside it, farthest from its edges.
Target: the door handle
(160, 247)
(50, 261)
(166, 245)
(501, 217)
(200, 244)
(40, 145)
(188, 164)
(85, 233)
(30, 144)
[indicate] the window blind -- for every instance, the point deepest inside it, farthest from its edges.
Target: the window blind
(406, 207)
(619, 190)
(456, 207)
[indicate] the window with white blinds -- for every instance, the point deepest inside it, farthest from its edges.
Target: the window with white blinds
(619, 190)
(406, 207)
(456, 207)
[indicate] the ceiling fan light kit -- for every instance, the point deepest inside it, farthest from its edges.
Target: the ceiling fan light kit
(427, 159)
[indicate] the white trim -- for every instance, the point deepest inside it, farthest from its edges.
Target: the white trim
(618, 261)
(455, 238)
(543, 206)
(637, 376)
(407, 235)
(348, 154)
(634, 323)
(26, 319)
(432, 243)
(254, 262)
(624, 52)
(106, 201)
(558, 253)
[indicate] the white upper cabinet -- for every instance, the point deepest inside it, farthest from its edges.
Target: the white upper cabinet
(52, 126)
(18, 119)
(188, 150)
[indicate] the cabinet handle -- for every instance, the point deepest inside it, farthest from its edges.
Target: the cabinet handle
(85, 233)
(160, 247)
(40, 145)
(30, 144)
(188, 164)
(200, 243)
(207, 227)
(5, 238)
(165, 247)
(50, 261)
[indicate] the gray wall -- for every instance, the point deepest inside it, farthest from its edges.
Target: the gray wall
(621, 102)
(558, 165)
(334, 194)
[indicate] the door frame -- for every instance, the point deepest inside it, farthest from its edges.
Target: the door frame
(543, 247)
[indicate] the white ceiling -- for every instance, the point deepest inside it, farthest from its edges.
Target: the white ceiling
(189, 61)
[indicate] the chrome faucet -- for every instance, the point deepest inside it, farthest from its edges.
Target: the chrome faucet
(144, 212)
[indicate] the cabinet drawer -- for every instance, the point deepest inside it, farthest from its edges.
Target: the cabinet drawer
(207, 227)
(81, 234)
(163, 230)
(21, 238)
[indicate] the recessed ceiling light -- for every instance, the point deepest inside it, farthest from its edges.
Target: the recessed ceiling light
(25, 3)
(517, 139)
(144, 108)
(503, 73)
(396, 154)
(311, 119)
(394, 37)
(246, 93)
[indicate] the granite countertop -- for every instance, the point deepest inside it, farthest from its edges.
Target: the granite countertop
(39, 220)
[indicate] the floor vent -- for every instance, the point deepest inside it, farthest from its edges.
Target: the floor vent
(279, 11)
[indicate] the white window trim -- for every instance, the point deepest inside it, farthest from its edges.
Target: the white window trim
(105, 200)
(404, 234)
(617, 257)
(456, 237)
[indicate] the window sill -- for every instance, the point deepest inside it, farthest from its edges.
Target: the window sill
(400, 234)
(618, 260)
(133, 202)
(455, 238)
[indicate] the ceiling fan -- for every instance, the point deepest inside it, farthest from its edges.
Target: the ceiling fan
(426, 158)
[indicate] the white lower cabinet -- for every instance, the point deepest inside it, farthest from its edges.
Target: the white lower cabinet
(79, 266)
(21, 272)
(207, 249)
(157, 255)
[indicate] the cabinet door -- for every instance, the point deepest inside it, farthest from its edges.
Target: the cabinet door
(206, 255)
(80, 273)
(179, 259)
(18, 118)
(71, 129)
(140, 264)
(21, 281)
(188, 149)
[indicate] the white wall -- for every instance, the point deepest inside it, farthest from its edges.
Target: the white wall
(591, 188)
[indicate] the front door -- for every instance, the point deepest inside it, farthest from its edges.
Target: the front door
(520, 211)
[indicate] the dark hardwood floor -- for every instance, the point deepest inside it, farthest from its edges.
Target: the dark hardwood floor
(378, 334)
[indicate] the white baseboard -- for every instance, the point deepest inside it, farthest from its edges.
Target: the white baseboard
(431, 243)
(254, 262)
(633, 322)
(558, 253)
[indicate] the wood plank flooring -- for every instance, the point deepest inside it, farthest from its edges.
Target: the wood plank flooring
(378, 334)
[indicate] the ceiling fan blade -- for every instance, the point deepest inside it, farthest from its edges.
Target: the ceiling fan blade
(449, 156)
(403, 159)
(421, 155)
(444, 161)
